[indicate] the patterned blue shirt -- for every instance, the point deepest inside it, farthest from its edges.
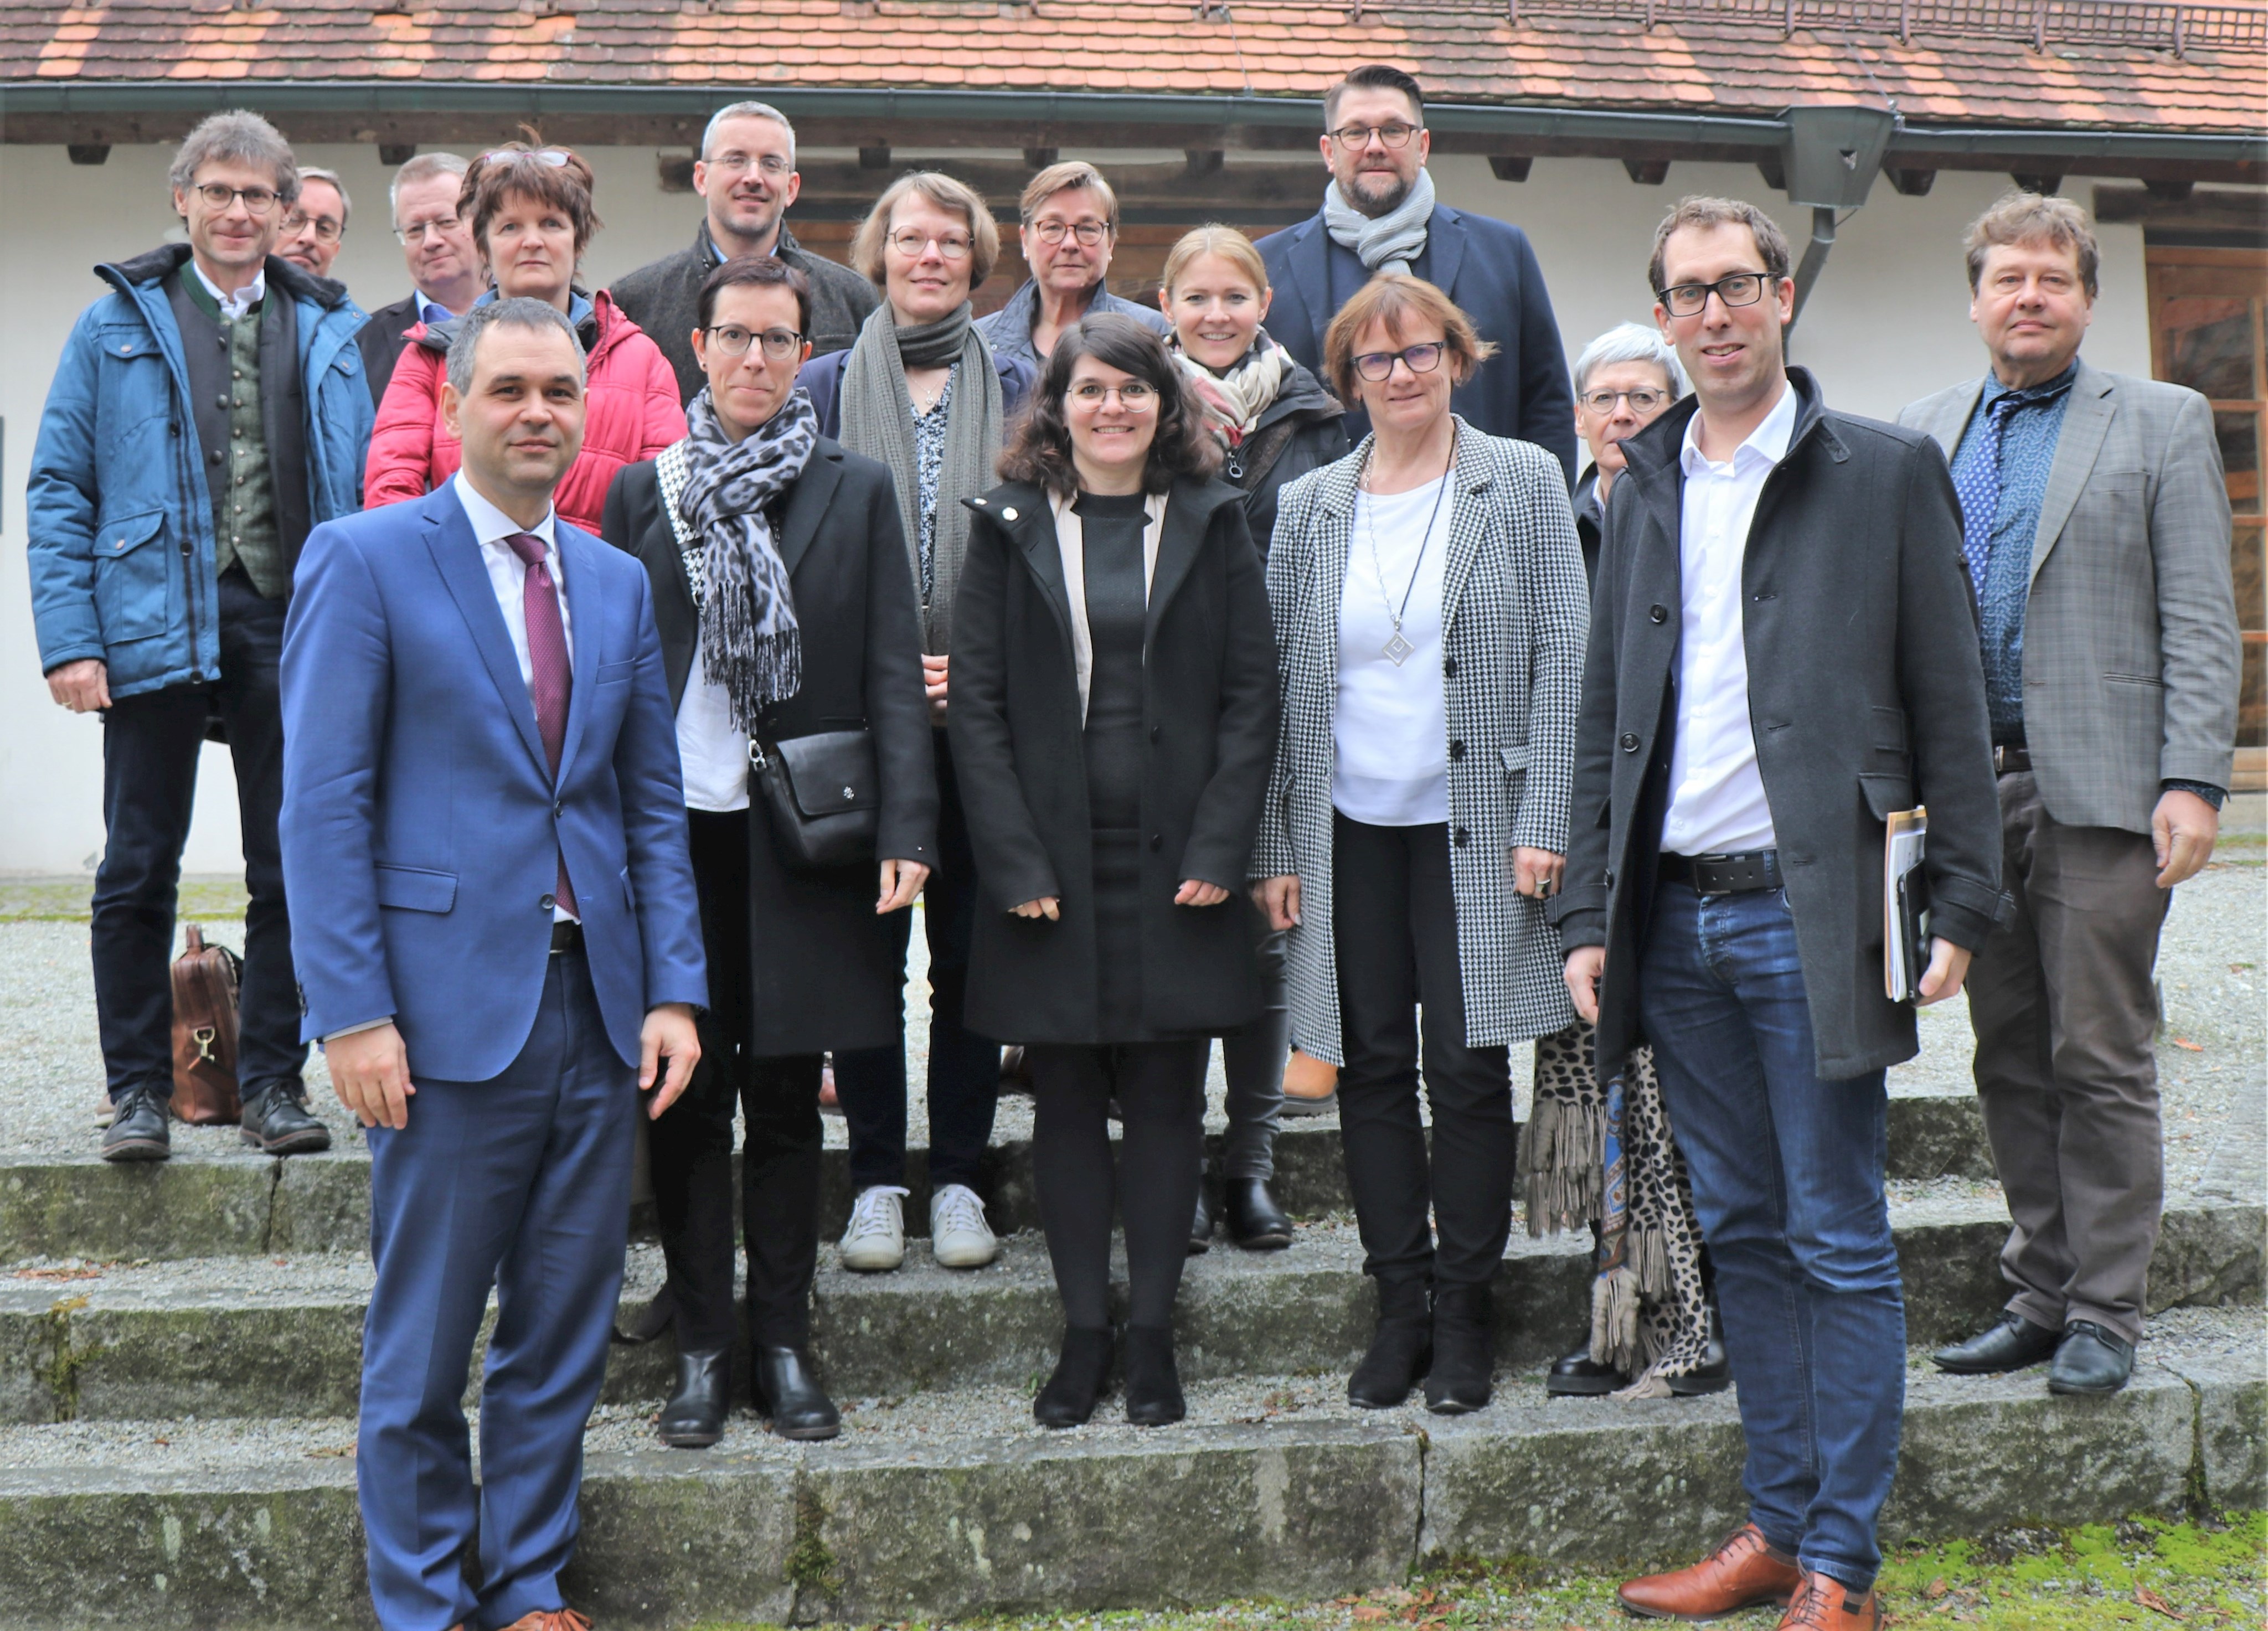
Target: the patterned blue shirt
(929, 474)
(2000, 470)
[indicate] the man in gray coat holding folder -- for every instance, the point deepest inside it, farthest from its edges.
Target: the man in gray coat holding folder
(2096, 532)
(1782, 654)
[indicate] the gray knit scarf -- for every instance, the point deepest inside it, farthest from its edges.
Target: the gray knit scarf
(878, 420)
(1386, 243)
(750, 645)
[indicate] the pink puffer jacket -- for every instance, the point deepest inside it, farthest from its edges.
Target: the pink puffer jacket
(631, 414)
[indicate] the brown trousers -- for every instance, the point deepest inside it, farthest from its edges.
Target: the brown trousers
(2067, 1068)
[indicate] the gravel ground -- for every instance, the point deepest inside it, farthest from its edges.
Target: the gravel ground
(2213, 1058)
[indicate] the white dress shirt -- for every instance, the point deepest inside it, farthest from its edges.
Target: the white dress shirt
(1716, 796)
(1391, 730)
(235, 305)
(508, 576)
(712, 753)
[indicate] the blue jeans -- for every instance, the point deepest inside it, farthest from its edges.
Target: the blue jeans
(1787, 1179)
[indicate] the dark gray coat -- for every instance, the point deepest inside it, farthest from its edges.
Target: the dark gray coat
(1304, 428)
(1208, 711)
(664, 298)
(829, 973)
(1866, 696)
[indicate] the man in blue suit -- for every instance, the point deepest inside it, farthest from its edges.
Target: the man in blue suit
(496, 935)
(1379, 215)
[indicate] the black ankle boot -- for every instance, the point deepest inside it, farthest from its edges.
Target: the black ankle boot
(1400, 1349)
(787, 1392)
(1154, 1387)
(1255, 1221)
(694, 1418)
(1576, 1375)
(1463, 1358)
(1080, 1375)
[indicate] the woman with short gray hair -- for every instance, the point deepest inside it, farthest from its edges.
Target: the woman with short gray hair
(1601, 1153)
(1070, 228)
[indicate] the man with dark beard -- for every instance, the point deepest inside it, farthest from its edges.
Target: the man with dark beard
(1379, 218)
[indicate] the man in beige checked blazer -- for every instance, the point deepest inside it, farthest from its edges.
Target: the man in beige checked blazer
(2096, 527)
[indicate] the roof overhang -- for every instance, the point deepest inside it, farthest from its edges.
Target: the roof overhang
(114, 111)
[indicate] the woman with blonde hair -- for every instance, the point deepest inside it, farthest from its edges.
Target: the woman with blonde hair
(1430, 612)
(921, 391)
(1273, 421)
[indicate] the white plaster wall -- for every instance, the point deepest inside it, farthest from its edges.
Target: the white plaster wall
(1888, 323)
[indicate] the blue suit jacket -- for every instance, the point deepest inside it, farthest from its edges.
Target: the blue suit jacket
(1485, 265)
(420, 823)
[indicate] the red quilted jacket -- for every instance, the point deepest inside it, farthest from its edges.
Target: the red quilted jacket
(632, 414)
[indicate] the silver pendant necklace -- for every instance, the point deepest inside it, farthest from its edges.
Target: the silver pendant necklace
(1397, 648)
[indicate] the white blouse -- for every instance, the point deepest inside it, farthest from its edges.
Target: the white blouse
(1391, 766)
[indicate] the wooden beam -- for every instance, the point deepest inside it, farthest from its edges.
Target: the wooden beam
(1647, 172)
(877, 158)
(1039, 157)
(89, 152)
(1510, 167)
(2171, 189)
(2047, 183)
(1205, 160)
(1912, 183)
(393, 155)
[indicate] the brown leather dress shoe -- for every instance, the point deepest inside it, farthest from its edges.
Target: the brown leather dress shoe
(1822, 1603)
(1744, 1570)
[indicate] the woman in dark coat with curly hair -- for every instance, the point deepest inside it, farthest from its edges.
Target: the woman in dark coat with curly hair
(1113, 719)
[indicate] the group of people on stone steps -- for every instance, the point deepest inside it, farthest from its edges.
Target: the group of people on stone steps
(1208, 677)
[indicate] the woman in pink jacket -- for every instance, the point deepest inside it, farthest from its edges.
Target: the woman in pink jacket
(532, 219)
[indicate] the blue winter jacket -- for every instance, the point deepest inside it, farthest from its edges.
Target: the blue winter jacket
(120, 520)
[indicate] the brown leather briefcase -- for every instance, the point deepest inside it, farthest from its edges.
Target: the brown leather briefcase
(204, 1032)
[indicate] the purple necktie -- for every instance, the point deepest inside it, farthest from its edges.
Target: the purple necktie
(550, 678)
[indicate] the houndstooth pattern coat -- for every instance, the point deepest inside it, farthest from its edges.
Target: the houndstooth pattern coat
(1515, 612)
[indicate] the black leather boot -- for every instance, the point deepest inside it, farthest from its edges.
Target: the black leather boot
(694, 1418)
(1255, 1221)
(140, 1127)
(1575, 1374)
(1154, 1386)
(1080, 1375)
(2090, 1359)
(277, 1122)
(786, 1390)
(1201, 1226)
(1715, 1374)
(1464, 1357)
(2011, 1345)
(1401, 1348)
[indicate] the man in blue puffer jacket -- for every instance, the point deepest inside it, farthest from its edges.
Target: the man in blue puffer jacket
(204, 416)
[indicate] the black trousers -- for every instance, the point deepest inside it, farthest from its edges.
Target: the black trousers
(691, 1145)
(964, 1067)
(1394, 930)
(1160, 1091)
(149, 749)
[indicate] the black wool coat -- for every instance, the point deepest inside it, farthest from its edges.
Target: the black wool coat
(1304, 428)
(829, 973)
(1209, 712)
(380, 339)
(1865, 696)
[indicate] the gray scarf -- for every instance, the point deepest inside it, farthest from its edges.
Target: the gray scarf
(1386, 243)
(750, 645)
(878, 420)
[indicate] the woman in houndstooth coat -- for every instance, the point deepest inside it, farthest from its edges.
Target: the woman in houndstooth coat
(1430, 610)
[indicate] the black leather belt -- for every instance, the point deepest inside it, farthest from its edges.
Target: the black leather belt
(2010, 760)
(566, 935)
(1723, 875)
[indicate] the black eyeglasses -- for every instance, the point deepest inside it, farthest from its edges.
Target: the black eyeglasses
(258, 200)
(1354, 138)
(733, 340)
(1733, 289)
(1422, 359)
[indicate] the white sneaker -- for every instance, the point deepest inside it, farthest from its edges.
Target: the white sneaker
(875, 1242)
(959, 1236)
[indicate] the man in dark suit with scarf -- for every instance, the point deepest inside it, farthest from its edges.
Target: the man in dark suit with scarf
(1380, 216)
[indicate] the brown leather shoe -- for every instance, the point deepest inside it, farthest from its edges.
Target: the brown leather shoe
(1311, 1086)
(551, 1620)
(1743, 1571)
(1822, 1603)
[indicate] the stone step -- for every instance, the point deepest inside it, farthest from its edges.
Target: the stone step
(215, 1198)
(956, 1506)
(225, 1337)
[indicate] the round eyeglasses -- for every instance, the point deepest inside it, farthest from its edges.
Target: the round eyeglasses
(1089, 233)
(1644, 400)
(910, 244)
(1422, 359)
(1133, 396)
